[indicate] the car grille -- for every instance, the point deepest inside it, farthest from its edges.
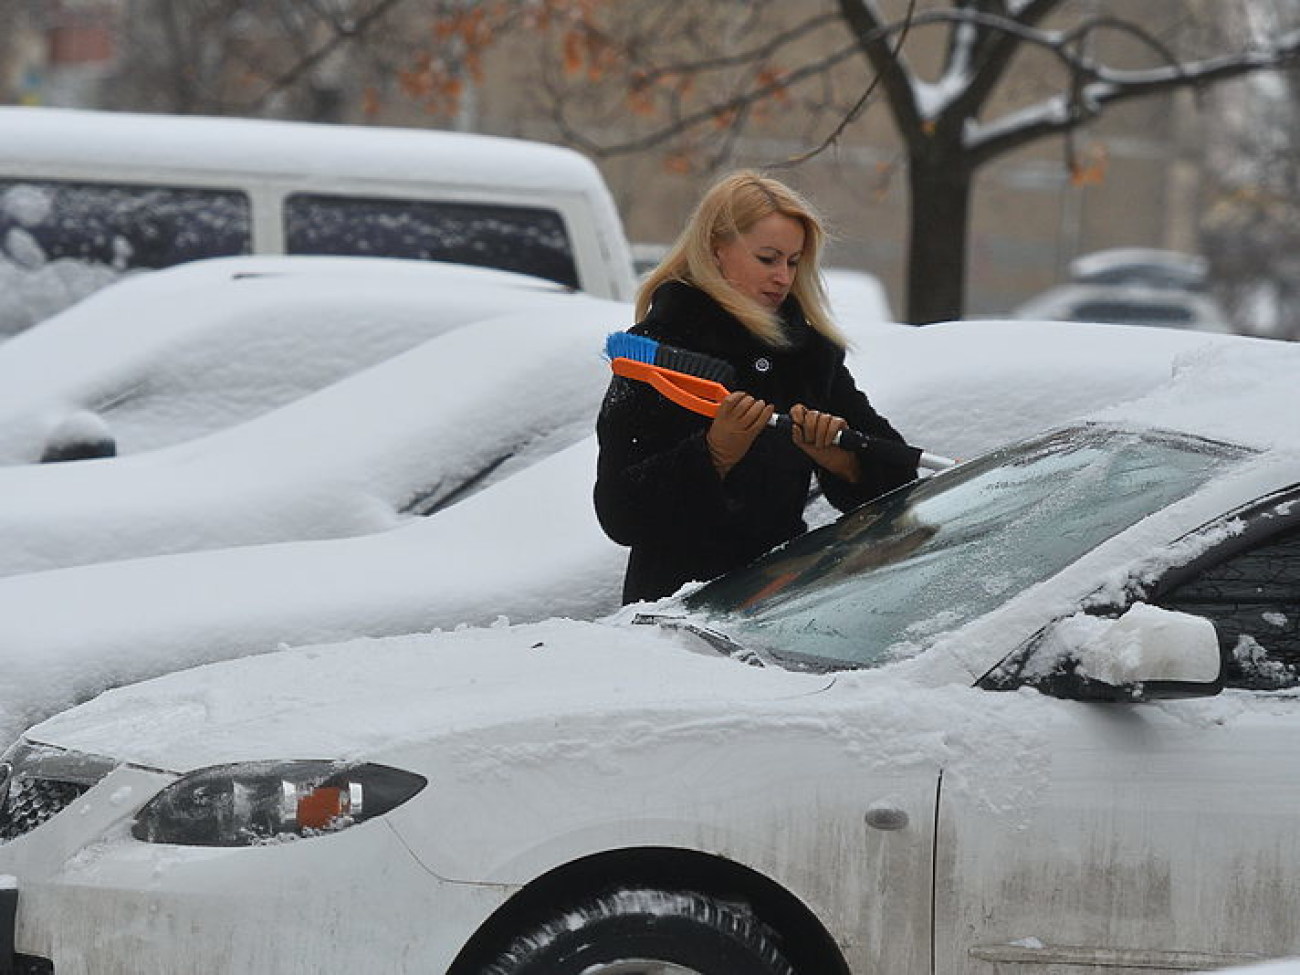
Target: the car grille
(33, 801)
(38, 781)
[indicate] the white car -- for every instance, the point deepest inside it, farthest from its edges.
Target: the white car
(1151, 267)
(969, 728)
(403, 439)
(1126, 304)
(173, 355)
(857, 297)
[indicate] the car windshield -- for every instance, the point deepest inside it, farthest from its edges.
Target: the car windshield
(884, 580)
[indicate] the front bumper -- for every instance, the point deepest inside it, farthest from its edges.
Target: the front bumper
(96, 901)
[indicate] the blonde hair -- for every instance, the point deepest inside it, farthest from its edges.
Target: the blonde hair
(729, 209)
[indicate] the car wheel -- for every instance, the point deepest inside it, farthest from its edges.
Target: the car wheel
(647, 932)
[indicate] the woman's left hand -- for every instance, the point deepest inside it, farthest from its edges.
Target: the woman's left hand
(814, 433)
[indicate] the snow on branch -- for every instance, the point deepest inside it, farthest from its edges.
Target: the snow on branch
(1095, 86)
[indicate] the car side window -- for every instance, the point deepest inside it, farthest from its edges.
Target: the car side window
(123, 226)
(529, 240)
(1253, 599)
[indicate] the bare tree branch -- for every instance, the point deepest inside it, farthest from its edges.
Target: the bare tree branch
(1111, 87)
(997, 51)
(345, 33)
(893, 71)
(764, 52)
(703, 116)
(855, 112)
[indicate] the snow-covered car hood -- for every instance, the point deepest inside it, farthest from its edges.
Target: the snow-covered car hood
(366, 698)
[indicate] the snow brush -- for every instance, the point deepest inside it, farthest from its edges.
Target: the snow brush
(700, 383)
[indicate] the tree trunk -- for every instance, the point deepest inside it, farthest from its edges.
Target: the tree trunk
(936, 267)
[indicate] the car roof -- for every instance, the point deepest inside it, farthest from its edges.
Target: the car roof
(39, 140)
(252, 333)
(404, 437)
(1151, 266)
(1131, 304)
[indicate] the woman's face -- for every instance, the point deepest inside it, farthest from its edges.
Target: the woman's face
(761, 263)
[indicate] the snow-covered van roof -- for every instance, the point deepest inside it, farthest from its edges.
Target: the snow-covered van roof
(44, 141)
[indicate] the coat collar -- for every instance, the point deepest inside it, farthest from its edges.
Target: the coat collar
(682, 314)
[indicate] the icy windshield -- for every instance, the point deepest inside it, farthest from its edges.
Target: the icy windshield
(923, 560)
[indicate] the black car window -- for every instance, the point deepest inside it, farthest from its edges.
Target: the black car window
(1253, 599)
(1119, 312)
(124, 226)
(530, 240)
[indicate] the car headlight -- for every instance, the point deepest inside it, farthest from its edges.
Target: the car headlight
(253, 803)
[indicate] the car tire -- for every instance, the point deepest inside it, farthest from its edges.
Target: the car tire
(647, 932)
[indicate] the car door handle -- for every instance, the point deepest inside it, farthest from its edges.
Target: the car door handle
(886, 816)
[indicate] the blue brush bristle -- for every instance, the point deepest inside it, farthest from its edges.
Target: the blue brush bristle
(622, 345)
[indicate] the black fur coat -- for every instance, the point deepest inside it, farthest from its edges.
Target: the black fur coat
(656, 488)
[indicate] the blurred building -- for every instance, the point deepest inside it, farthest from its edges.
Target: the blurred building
(57, 52)
(1139, 183)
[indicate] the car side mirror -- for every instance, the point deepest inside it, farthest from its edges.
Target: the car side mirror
(82, 435)
(1146, 653)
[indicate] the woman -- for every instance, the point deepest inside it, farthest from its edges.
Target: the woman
(695, 497)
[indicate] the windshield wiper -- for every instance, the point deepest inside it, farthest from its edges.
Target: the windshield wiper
(716, 640)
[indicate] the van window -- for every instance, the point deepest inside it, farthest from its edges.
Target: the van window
(124, 226)
(530, 240)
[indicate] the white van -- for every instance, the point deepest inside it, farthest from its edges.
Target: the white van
(121, 191)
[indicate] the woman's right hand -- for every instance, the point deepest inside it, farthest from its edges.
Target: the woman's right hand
(741, 418)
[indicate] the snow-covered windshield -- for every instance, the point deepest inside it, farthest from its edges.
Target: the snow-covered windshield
(931, 556)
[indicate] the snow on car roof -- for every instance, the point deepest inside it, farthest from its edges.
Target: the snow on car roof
(961, 388)
(1192, 267)
(173, 354)
(37, 139)
(1244, 392)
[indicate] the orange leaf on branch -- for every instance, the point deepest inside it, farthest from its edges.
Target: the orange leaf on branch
(1090, 171)
(573, 53)
(678, 163)
(775, 79)
(724, 118)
